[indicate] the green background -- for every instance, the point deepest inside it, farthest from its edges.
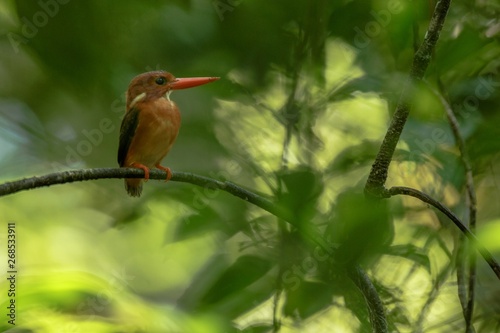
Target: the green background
(189, 259)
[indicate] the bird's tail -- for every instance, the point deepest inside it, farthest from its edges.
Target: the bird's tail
(133, 187)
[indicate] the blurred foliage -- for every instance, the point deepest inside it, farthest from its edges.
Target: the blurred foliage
(305, 98)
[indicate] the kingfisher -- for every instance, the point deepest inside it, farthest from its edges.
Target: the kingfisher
(151, 123)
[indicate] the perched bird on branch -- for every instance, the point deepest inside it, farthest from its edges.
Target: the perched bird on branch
(151, 123)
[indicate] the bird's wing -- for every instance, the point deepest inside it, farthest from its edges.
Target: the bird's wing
(127, 131)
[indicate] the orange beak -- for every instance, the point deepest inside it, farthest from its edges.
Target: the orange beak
(189, 82)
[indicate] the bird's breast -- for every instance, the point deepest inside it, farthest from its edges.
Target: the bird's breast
(158, 125)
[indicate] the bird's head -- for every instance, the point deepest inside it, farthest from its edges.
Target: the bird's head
(158, 84)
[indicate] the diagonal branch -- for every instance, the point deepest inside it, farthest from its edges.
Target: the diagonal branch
(375, 306)
(378, 174)
(400, 190)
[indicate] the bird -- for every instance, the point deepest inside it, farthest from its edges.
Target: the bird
(151, 123)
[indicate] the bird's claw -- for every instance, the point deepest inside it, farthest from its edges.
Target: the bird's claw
(143, 167)
(167, 170)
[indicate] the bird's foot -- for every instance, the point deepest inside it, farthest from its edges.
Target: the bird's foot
(167, 170)
(143, 167)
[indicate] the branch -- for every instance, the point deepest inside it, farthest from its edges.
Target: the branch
(400, 190)
(373, 301)
(467, 305)
(356, 273)
(184, 177)
(378, 174)
(102, 173)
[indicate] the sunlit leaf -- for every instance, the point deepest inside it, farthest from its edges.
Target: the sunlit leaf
(411, 252)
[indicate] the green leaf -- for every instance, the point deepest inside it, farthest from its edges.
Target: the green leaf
(411, 252)
(361, 226)
(258, 328)
(307, 299)
(354, 156)
(366, 83)
(196, 224)
(300, 189)
(202, 282)
(242, 273)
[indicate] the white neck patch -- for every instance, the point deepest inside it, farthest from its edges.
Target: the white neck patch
(137, 98)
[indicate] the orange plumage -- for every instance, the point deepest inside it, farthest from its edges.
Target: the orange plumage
(151, 123)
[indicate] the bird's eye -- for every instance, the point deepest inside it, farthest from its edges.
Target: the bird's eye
(160, 81)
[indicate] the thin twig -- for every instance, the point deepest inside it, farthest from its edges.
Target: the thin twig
(461, 253)
(432, 296)
(375, 185)
(468, 307)
(400, 190)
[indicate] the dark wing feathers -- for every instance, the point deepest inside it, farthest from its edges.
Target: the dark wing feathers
(127, 131)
